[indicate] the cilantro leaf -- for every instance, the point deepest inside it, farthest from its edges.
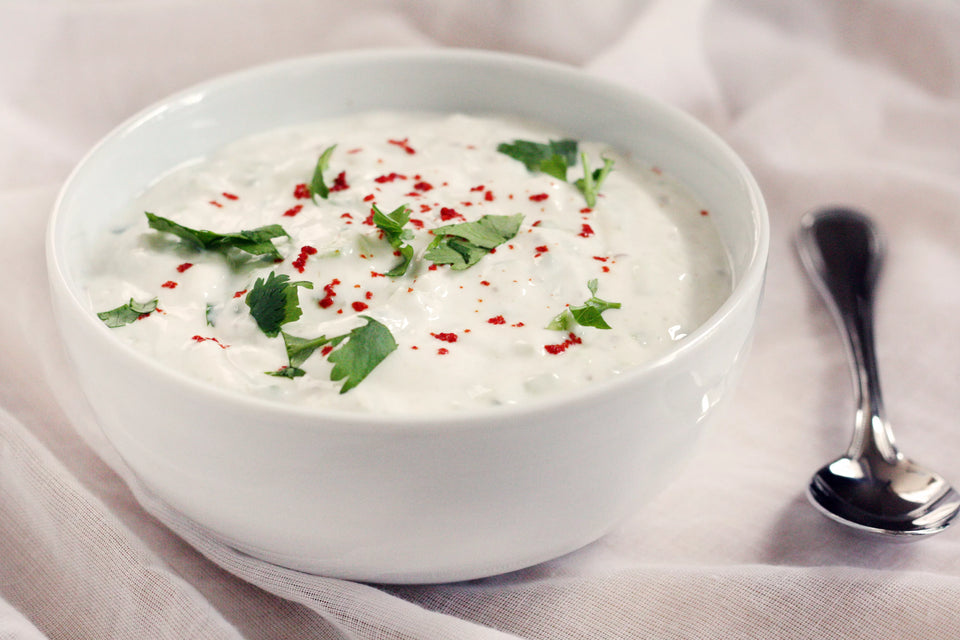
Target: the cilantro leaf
(551, 158)
(256, 242)
(287, 372)
(589, 184)
(298, 350)
(589, 314)
(462, 245)
(273, 302)
(127, 313)
(317, 185)
(365, 348)
(391, 224)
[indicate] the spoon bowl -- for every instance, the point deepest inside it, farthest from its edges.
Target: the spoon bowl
(900, 500)
(872, 487)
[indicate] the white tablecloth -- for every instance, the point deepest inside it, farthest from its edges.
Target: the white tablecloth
(828, 101)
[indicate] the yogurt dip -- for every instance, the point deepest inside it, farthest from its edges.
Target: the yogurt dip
(639, 255)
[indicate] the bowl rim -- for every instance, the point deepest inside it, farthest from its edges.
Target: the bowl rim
(479, 418)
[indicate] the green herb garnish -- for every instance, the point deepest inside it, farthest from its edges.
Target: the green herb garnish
(365, 348)
(462, 245)
(256, 242)
(127, 313)
(391, 224)
(273, 302)
(551, 158)
(298, 350)
(317, 185)
(589, 184)
(589, 314)
(210, 314)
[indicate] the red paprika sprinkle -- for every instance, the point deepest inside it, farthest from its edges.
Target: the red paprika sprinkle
(446, 213)
(368, 198)
(183, 267)
(542, 249)
(497, 320)
(359, 306)
(485, 283)
(555, 349)
(445, 337)
(539, 197)
(479, 187)
(368, 295)
(488, 196)
(239, 293)
(199, 339)
(294, 210)
(340, 182)
(325, 351)
(230, 196)
(425, 207)
(586, 210)
(585, 231)
(423, 186)
(169, 284)
(416, 223)
(301, 191)
(301, 262)
(216, 204)
(442, 351)
(390, 177)
(403, 144)
(328, 289)
(601, 258)
(704, 212)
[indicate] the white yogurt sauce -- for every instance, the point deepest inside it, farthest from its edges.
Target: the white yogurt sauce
(648, 242)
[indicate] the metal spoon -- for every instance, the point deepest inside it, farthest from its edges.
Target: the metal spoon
(873, 487)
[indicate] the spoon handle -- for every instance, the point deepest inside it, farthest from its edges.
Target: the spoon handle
(842, 251)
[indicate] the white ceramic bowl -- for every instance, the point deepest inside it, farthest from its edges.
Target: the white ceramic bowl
(422, 499)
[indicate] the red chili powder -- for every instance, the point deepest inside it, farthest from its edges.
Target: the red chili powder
(555, 349)
(403, 144)
(301, 262)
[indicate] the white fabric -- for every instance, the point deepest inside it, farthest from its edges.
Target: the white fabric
(828, 101)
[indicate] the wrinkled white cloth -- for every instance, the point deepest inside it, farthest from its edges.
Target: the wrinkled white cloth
(855, 102)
